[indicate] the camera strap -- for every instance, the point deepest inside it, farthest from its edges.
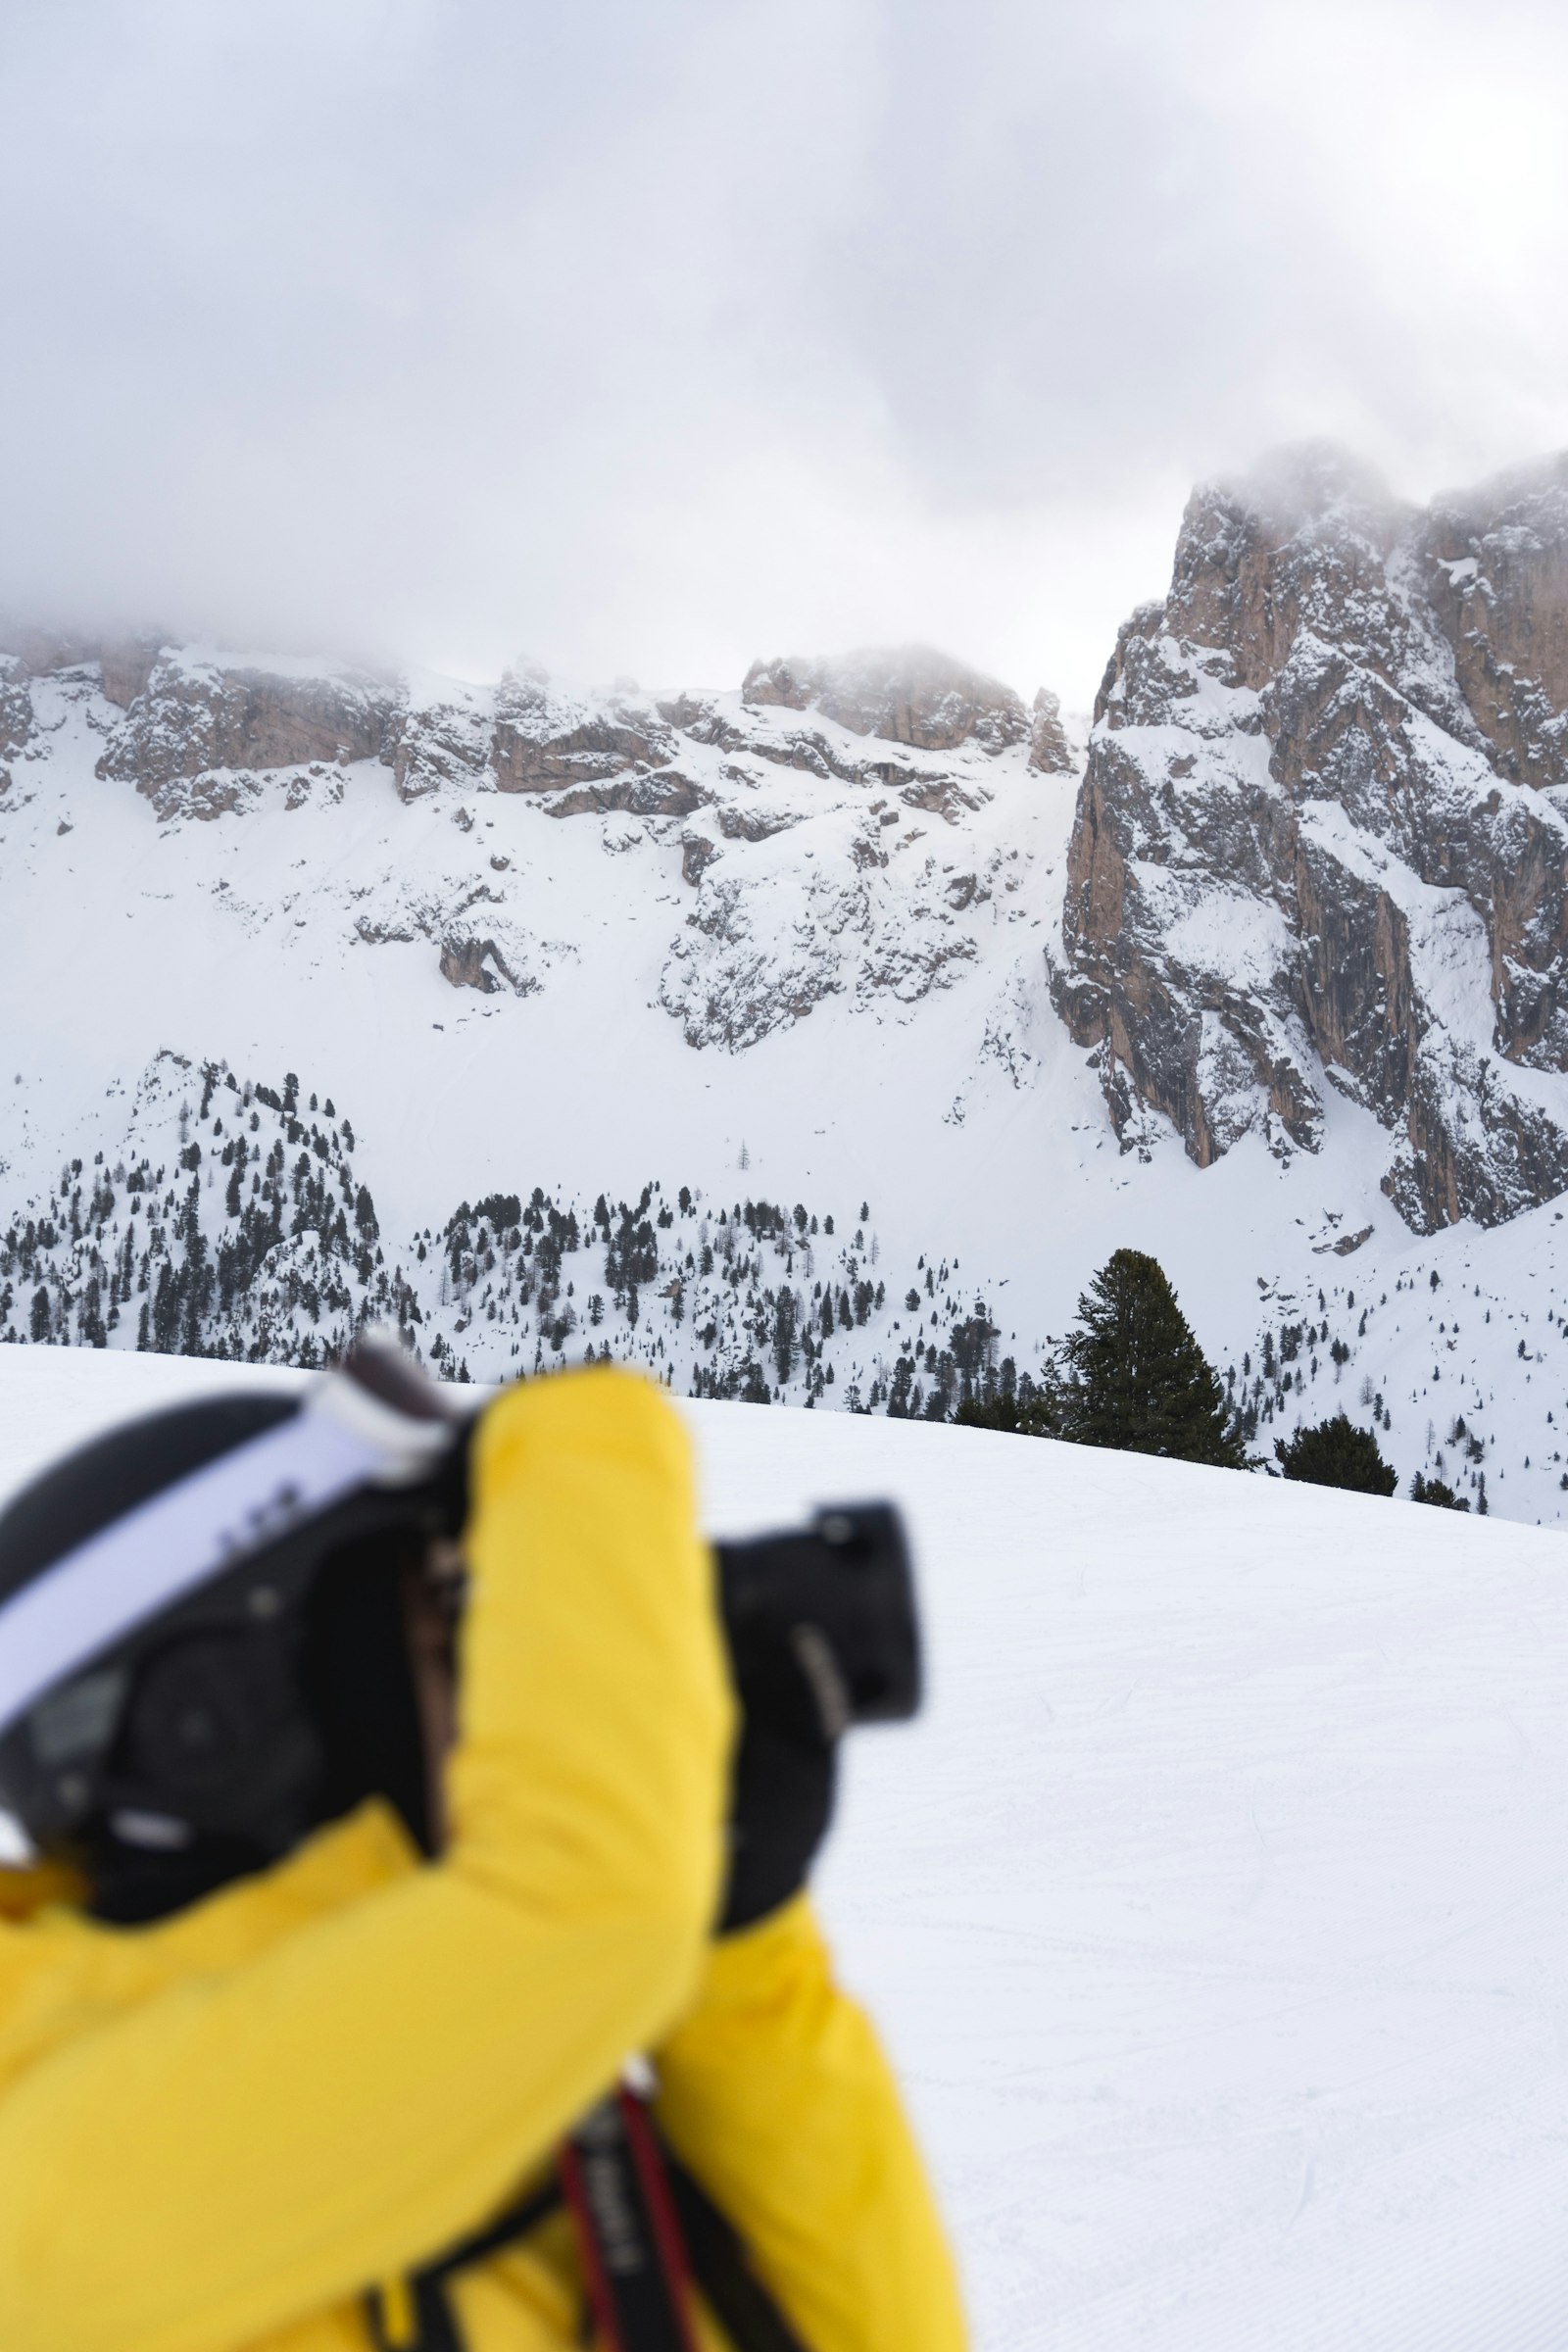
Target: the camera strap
(633, 2258)
(644, 2229)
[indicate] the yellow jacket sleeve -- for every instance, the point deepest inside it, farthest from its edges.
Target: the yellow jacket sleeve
(773, 2090)
(263, 2138)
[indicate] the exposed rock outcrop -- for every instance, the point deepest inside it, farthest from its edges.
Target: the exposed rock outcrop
(469, 921)
(1494, 562)
(44, 653)
(203, 713)
(666, 792)
(126, 666)
(910, 694)
(440, 738)
(1315, 836)
(546, 736)
(124, 663)
(1049, 749)
(700, 717)
(16, 707)
(473, 962)
(771, 937)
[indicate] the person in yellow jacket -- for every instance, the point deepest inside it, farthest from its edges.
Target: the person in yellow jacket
(253, 2120)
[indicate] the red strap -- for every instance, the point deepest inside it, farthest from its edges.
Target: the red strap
(632, 2254)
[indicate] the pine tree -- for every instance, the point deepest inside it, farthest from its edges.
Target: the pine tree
(1026, 1408)
(1337, 1454)
(784, 1322)
(1434, 1490)
(1137, 1378)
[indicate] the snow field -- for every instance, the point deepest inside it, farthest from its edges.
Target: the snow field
(1216, 1910)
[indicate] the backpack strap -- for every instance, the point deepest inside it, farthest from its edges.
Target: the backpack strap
(414, 2314)
(723, 2268)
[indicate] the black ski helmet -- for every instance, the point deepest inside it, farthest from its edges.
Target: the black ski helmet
(201, 1638)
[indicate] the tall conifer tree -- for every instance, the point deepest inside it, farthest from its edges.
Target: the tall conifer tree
(1137, 1378)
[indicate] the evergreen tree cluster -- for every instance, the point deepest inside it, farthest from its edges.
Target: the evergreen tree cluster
(747, 1300)
(232, 1222)
(236, 1228)
(1437, 1492)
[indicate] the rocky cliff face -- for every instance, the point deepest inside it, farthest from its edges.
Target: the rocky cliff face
(1495, 564)
(200, 727)
(1319, 835)
(545, 737)
(880, 770)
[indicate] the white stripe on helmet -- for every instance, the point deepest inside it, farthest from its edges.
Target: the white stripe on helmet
(341, 1440)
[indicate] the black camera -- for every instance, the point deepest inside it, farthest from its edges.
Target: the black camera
(825, 1614)
(823, 1635)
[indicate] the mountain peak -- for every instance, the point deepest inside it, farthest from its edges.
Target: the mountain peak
(1298, 483)
(909, 694)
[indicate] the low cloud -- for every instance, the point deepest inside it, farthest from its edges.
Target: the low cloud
(649, 340)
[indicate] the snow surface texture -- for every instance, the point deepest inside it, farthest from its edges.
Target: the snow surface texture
(1214, 1909)
(697, 942)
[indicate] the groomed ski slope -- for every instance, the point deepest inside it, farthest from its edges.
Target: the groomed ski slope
(1216, 1911)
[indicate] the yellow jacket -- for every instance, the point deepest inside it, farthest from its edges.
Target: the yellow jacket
(216, 2132)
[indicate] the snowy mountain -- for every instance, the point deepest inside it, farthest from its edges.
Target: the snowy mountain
(819, 1038)
(1212, 1907)
(837, 834)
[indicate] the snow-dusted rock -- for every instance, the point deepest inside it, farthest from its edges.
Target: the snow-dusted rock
(15, 709)
(1049, 749)
(547, 736)
(202, 713)
(442, 738)
(846, 909)
(1494, 565)
(865, 912)
(126, 666)
(46, 652)
(1300, 849)
(910, 694)
(469, 920)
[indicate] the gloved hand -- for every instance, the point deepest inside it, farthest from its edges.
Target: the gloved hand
(782, 1784)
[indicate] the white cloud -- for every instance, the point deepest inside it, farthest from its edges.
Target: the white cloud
(651, 339)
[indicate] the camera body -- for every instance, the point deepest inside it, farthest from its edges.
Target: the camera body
(822, 1634)
(825, 1615)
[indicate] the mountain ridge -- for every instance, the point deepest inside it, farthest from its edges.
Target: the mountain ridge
(555, 944)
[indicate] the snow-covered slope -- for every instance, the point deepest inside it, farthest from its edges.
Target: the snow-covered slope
(1213, 1910)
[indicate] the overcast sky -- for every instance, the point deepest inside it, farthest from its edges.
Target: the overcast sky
(645, 338)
